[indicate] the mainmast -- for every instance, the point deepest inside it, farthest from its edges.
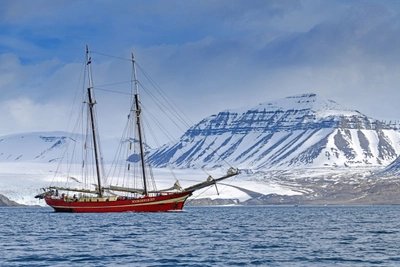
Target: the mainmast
(138, 110)
(91, 104)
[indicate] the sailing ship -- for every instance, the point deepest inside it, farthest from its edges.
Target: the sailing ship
(120, 198)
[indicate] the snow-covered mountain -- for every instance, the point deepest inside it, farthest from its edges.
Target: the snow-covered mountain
(42, 147)
(302, 131)
(308, 135)
(36, 147)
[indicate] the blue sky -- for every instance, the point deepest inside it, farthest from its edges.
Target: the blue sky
(208, 55)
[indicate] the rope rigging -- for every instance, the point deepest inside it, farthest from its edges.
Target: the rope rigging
(167, 107)
(171, 110)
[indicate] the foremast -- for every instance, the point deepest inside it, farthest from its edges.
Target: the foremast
(138, 111)
(91, 104)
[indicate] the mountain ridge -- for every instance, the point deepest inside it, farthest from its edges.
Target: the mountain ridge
(304, 143)
(295, 132)
(301, 131)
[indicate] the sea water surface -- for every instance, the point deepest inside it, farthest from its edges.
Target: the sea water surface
(203, 236)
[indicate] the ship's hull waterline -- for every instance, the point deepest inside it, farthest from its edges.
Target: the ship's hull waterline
(160, 203)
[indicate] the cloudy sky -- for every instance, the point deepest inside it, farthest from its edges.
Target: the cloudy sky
(207, 55)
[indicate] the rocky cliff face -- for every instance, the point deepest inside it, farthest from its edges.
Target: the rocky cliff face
(5, 202)
(302, 131)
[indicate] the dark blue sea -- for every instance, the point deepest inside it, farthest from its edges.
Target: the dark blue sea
(203, 236)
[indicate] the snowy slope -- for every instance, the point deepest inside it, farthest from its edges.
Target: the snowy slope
(38, 147)
(21, 181)
(42, 147)
(302, 131)
(297, 133)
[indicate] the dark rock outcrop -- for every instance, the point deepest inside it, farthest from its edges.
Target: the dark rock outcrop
(5, 202)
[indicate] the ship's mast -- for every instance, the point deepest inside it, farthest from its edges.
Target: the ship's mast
(138, 110)
(91, 104)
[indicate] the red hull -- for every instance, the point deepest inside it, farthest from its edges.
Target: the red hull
(170, 202)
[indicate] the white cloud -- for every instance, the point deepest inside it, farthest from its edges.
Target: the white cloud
(23, 114)
(209, 57)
